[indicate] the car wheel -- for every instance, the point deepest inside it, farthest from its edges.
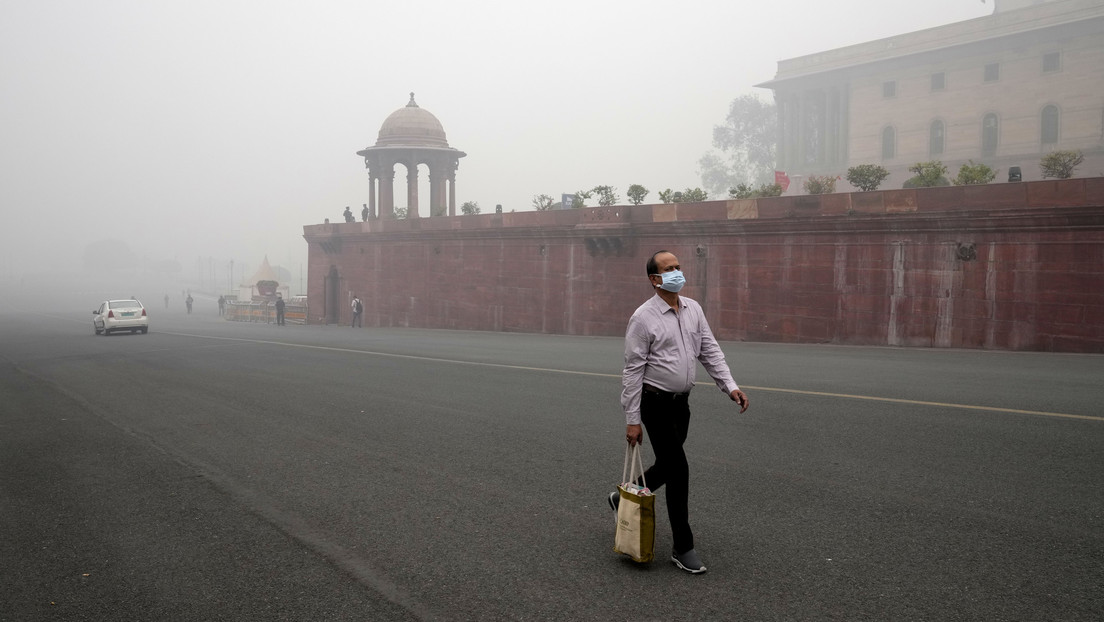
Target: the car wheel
(96, 330)
(106, 332)
(145, 330)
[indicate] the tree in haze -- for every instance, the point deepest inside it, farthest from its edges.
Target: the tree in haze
(637, 193)
(400, 212)
(606, 195)
(469, 208)
(543, 202)
(580, 198)
(746, 142)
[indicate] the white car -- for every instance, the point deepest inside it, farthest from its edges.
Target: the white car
(114, 315)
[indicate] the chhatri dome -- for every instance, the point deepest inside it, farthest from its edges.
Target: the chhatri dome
(412, 125)
(412, 136)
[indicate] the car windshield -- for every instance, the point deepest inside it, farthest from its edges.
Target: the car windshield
(123, 304)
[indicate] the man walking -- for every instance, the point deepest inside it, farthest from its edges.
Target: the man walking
(665, 338)
(358, 311)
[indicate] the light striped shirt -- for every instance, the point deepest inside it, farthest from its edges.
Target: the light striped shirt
(661, 348)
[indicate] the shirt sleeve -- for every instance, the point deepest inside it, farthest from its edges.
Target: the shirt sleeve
(713, 360)
(632, 377)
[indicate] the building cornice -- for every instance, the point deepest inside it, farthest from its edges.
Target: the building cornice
(997, 26)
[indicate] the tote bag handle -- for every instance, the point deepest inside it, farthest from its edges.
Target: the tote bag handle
(632, 461)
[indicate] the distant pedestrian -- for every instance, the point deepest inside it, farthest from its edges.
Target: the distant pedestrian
(222, 305)
(279, 309)
(358, 311)
(364, 212)
(348, 213)
(188, 303)
(166, 301)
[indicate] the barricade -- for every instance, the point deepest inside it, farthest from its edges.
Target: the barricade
(264, 311)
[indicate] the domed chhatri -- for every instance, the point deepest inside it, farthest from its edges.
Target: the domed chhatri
(411, 136)
(412, 126)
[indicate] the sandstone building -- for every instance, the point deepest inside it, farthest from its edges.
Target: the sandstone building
(1003, 90)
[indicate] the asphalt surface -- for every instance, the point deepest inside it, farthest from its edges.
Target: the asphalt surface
(221, 471)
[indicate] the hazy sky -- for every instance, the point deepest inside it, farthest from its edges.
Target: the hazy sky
(218, 129)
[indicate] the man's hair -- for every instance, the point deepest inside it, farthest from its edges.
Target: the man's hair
(652, 267)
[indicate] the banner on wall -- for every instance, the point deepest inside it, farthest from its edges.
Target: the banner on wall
(782, 179)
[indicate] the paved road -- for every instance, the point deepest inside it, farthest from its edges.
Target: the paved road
(213, 470)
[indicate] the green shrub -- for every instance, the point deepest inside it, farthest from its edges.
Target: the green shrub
(746, 191)
(867, 177)
(927, 175)
(820, 184)
(970, 173)
(1061, 164)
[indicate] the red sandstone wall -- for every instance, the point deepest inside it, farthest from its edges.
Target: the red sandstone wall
(1006, 266)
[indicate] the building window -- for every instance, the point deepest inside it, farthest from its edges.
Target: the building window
(935, 138)
(938, 81)
(1050, 125)
(889, 89)
(1052, 62)
(992, 72)
(989, 134)
(889, 143)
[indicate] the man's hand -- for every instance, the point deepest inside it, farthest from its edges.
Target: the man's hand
(740, 398)
(634, 434)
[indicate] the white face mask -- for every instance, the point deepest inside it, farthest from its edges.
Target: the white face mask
(672, 281)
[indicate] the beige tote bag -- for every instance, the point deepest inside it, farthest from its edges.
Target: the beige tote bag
(636, 511)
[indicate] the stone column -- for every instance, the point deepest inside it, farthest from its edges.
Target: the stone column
(452, 191)
(412, 189)
(372, 194)
(387, 191)
(436, 205)
(802, 132)
(781, 109)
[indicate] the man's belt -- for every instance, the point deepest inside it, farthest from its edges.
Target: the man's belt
(665, 394)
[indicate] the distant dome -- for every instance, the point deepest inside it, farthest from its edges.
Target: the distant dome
(412, 126)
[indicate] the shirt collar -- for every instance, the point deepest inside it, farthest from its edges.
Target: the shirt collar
(662, 305)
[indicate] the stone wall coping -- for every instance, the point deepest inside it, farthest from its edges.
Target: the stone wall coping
(785, 211)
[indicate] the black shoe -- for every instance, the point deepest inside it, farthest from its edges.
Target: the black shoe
(688, 561)
(614, 499)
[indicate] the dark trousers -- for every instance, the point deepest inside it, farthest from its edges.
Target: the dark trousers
(279, 317)
(357, 321)
(667, 420)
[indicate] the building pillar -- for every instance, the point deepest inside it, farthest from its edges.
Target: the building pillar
(412, 189)
(436, 204)
(792, 144)
(831, 127)
(452, 192)
(387, 192)
(372, 194)
(802, 132)
(781, 107)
